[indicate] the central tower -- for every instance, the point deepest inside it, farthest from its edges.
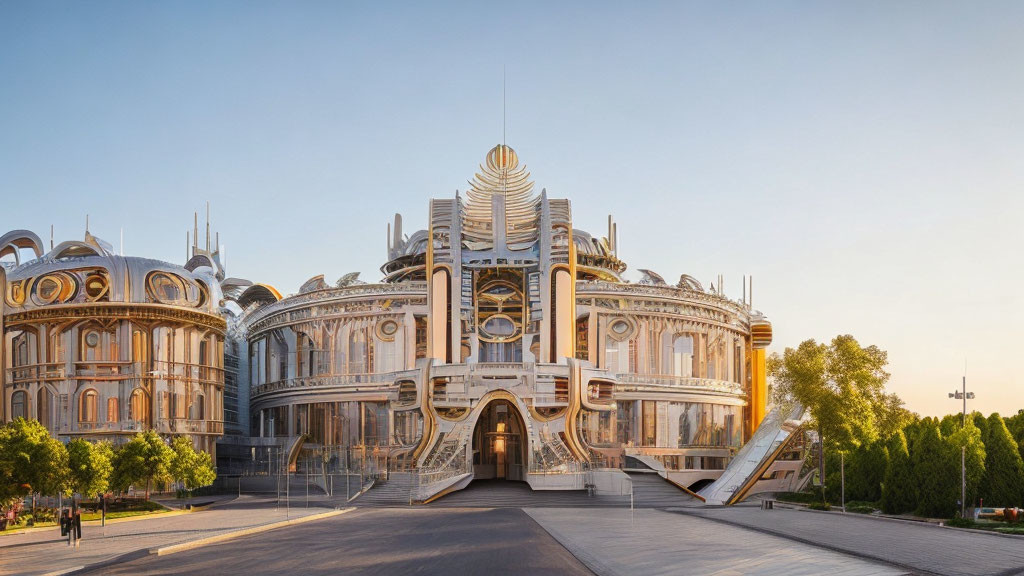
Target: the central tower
(500, 269)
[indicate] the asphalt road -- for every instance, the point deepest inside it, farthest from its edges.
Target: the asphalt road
(381, 541)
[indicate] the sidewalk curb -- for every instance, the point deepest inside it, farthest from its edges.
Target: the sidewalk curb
(183, 546)
(933, 522)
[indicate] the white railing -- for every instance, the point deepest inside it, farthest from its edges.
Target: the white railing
(324, 381)
(702, 384)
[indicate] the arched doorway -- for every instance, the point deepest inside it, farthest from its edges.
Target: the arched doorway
(499, 443)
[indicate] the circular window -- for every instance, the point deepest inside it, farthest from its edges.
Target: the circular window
(499, 326)
(48, 289)
(620, 328)
(387, 330)
(95, 286)
(92, 339)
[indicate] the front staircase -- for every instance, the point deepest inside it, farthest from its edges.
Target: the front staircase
(394, 491)
(650, 490)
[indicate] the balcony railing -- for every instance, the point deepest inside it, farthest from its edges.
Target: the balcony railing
(633, 381)
(328, 380)
(163, 426)
(115, 370)
(36, 372)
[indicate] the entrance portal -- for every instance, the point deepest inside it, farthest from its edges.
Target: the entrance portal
(499, 443)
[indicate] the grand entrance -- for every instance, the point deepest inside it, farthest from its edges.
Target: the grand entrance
(499, 443)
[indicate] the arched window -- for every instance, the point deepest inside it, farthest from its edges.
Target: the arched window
(681, 356)
(24, 349)
(112, 414)
(19, 405)
(198, 406)
(44, 407)
(87, 406)
(357, 352)
(138, 409)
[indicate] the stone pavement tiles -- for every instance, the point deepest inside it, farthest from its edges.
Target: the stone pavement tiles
(380, 541)
(44, 551)
(923, 547)
(653, 542)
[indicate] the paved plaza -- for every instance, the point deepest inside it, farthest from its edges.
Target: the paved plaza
(575, 540)
(653, 542)
(384, 541)
(919, 546)
(44, 551)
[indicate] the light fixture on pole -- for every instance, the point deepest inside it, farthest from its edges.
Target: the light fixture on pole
(965, 396)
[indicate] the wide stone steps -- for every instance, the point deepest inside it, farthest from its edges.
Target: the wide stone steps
(395, 491)
(652, 491)
(649, 491)
(507, 494)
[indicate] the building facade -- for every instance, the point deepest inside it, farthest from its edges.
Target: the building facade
(101, 346)
(503, 342)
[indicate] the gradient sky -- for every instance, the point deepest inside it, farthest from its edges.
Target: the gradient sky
(863, 160)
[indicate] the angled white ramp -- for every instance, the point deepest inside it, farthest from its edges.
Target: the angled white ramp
(754, 458)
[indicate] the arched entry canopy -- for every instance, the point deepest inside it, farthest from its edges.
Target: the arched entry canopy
(500, 442)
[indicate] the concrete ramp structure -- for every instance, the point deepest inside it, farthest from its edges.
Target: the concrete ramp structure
(779, 429)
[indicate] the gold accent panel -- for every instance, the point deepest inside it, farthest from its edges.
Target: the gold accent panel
(101, 311)
(758, 388)
(16, 293)
(55, 288)
(439, 315)
(761, 334)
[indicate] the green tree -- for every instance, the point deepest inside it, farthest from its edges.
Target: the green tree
(898, 490)
(191, 468)
(865, 472)
(33, 462)
(89, 467)
(982, 423)
(936, 487)
(144, 458)
(974, 458)
(1003, 481)
(1015, 424)
(891, 415)
(949, 424)
(843, 386)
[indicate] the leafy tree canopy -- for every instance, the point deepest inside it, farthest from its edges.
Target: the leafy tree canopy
(191, 468)
(31, 461)
(843, 386)
(89, 467)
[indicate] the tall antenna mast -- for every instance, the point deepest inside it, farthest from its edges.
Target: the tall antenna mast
(503, 105)
(207, 227)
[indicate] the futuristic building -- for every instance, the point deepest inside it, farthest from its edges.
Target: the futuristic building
(101, 346)
(503, 342)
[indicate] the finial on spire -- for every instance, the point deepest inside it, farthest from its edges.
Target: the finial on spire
(207, 226)
(504, 105)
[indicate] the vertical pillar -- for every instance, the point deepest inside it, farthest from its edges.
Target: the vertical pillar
(565, 316)
(758, 387)
(438, 320)
(3, 348)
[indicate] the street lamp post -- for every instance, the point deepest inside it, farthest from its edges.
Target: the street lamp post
(965, 396)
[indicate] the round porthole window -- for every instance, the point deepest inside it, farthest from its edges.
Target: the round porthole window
(620, 328)
(92, 339)
(387, 330)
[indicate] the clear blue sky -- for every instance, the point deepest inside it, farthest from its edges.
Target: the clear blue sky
(863, 160)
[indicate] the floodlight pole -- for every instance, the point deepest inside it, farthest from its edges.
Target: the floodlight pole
(964, 395)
